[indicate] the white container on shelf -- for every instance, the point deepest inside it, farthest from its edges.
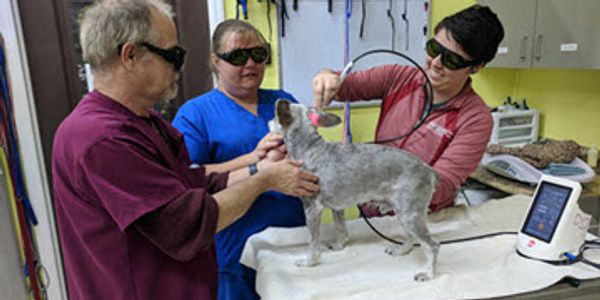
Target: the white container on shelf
(515, 127)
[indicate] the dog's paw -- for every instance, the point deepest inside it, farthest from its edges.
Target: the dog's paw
(423, 276)
(305, 263)
(397, 250)
(337, 246)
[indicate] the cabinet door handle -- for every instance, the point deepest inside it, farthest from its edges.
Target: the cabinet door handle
(523, 51)
(538, 47)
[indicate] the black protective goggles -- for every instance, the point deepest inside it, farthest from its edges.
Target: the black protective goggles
(450, 59)
(174, 55)
(239, 57)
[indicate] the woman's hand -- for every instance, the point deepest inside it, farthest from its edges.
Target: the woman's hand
(274, 155)
(325, 85)
(271, 142)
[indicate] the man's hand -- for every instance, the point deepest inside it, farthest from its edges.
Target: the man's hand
(287, 177)
(270, 142)
(325, 85)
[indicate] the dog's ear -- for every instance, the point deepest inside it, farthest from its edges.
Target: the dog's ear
(328, 120)
(284, 115)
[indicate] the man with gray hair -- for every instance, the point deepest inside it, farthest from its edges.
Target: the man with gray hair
(135, 217)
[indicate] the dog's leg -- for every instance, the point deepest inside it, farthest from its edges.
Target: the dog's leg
(429, 245)
(409, 242)
(415, 225)
(312, 210)
(341, 232)
(410, 203)
(416, 229)
(405, 248)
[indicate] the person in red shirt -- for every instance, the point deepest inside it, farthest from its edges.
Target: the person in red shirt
(453, 138)
(136, 218)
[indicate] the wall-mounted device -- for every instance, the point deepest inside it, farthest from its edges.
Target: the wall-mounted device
(554, 224)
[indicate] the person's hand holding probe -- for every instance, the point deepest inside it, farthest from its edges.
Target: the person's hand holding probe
(326, 85)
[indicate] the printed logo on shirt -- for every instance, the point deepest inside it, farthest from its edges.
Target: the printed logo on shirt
(440, 130)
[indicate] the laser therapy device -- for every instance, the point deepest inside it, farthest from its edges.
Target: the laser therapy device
(555, 226)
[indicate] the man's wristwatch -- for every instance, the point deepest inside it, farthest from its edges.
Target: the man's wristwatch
(252, 169)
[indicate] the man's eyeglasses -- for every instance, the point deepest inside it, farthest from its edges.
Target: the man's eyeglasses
(239, 57)
(174, 55)
(450, 59)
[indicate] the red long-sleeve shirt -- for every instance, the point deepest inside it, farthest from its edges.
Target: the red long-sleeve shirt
(453, 138)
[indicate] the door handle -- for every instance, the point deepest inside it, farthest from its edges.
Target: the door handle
(538, 47)
(523, 51)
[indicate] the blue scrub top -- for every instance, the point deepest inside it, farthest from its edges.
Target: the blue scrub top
(216, 129)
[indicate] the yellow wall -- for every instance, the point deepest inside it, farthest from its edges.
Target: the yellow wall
(257, 16)
(569, 101)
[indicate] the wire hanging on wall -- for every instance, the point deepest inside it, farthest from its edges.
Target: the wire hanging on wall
(347, 134)
(392, 24)
(363, 18)
(406, 24)
(11, 164)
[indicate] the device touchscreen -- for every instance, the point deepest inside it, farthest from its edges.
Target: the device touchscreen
(547, 208)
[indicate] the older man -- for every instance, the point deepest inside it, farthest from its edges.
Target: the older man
(136, 219)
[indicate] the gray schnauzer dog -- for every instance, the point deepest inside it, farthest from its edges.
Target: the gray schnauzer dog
(351, 174)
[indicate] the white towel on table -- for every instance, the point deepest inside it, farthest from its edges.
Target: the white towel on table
(468, 270)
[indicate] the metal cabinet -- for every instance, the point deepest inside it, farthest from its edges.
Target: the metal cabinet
(517, 18)
(548, 33)
(567, 34)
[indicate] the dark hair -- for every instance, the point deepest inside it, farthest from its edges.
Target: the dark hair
(233, 25)
(477, 30)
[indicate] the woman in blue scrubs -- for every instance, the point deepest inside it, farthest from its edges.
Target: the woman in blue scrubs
(227, 129)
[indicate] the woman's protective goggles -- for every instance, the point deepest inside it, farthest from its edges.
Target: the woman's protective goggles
(239, 57)
(450, 59)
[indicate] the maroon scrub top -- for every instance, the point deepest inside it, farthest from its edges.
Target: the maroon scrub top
(110, 167)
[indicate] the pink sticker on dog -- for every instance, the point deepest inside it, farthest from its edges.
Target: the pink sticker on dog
(314, 118)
